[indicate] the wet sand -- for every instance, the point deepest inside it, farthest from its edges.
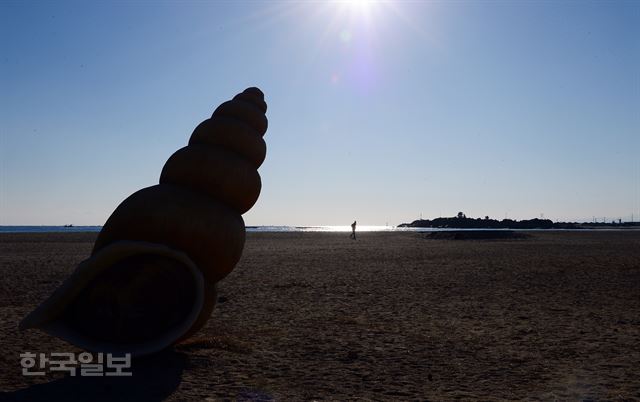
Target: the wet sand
(391, 316)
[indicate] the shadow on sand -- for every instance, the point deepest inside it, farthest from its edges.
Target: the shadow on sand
(154, 379)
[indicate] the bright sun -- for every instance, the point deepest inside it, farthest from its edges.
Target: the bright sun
(359, 6)
(357, 3)
(364, 10)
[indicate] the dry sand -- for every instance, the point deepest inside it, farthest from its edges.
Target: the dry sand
(390, 316)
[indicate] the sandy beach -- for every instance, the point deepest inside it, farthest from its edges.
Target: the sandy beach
(390, 316)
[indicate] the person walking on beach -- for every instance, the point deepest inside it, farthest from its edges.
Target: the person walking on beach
(353, 230)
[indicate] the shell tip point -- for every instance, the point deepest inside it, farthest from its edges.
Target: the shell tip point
(255, 91)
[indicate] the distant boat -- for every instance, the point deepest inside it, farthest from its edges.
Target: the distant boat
(68, 226)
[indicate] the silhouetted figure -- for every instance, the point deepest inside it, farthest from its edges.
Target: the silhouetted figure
(353, 230)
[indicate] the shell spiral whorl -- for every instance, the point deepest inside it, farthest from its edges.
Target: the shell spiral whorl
(150, 280)
(208, 183)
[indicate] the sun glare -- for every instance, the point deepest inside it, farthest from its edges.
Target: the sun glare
(357, 4)
(352, 37)
(357, 7)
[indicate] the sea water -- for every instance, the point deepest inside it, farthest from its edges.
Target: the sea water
(290, 229)
(346, 228)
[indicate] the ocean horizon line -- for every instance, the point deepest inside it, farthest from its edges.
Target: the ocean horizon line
(286, 229)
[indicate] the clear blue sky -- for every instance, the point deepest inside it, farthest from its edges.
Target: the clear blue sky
(377, 112)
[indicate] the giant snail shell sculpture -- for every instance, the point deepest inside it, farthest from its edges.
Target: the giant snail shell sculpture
(150, 281)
